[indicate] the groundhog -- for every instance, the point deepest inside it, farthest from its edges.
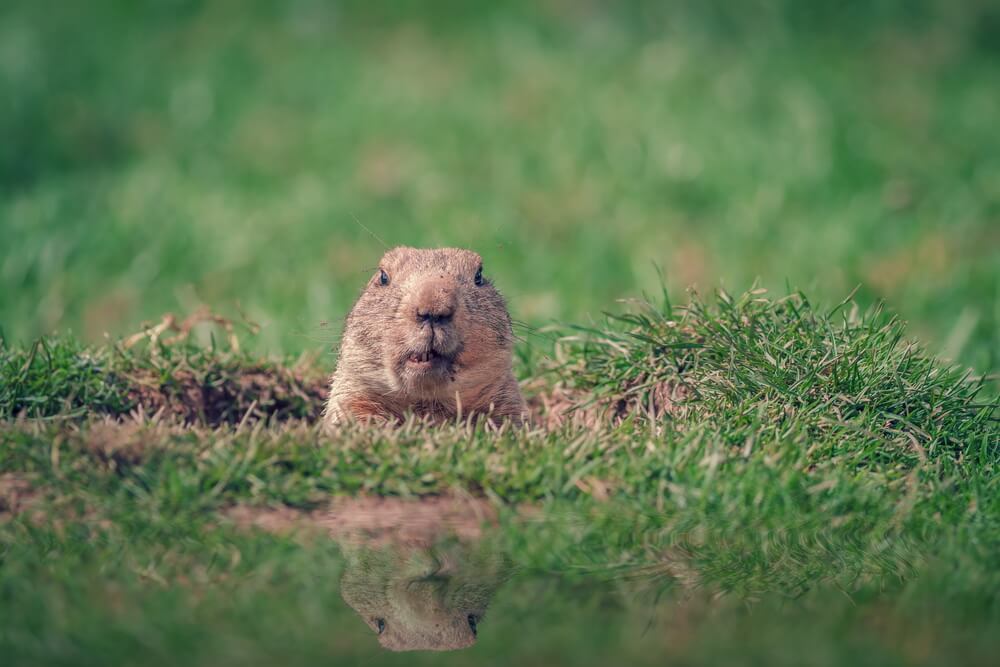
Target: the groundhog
(429, 335)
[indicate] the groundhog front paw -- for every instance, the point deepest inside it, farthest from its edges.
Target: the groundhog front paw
(357, 409)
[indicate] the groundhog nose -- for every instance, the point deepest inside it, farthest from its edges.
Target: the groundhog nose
(434, 316)
(435, 303)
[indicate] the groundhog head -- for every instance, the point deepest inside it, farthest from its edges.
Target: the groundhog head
(430, 334)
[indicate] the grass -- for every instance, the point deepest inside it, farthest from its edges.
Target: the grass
(814, 457)
(740, 479)
(60, 376)
(252, 156)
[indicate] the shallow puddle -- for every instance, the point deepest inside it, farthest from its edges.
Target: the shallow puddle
(458, 580)
(429, 576)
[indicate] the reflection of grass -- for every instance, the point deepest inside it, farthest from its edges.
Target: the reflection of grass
(221, 152)
(816, 470)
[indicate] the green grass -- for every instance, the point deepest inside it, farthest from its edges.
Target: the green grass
(820, 473)
(741, 479)
(62, 377)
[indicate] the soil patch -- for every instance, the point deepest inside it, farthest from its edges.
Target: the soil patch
(378, 520)
(558, 405)
(229, 396)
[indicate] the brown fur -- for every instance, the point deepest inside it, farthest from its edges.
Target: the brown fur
(430, 304)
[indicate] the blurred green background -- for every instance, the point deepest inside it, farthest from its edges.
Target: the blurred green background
(160, 155)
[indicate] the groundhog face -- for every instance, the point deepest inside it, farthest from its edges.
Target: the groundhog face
(435, 321)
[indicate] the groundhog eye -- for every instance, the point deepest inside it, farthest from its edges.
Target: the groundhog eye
(380, 625)
(479, 276)
(383, 278)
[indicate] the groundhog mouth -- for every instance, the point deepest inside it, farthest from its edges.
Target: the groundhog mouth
(426, 360)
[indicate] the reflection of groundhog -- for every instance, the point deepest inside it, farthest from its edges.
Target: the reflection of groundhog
(422, 599)
(429, 335)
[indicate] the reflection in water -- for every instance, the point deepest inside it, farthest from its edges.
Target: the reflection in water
(417, 572)
(418, 598)
(421, 575)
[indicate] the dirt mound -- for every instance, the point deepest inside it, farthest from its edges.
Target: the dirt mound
(229, 395)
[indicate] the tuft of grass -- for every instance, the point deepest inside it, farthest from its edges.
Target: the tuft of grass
(754, 367)
(59, 376)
